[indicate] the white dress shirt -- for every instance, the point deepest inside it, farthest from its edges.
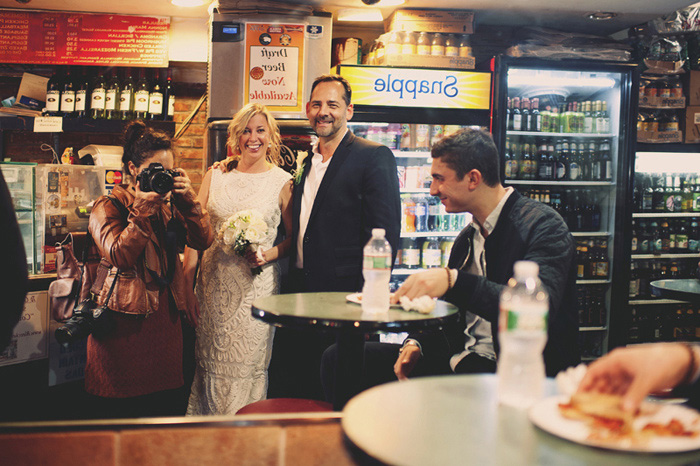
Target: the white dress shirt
(317, 170)
(478, 331)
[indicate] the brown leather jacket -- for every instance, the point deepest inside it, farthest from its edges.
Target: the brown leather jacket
(132, 244)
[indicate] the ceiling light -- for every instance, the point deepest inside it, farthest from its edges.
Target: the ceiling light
(360, 14)
(601, 15)
(188, 3)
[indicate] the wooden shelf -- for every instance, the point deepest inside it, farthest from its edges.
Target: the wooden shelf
(82, 125)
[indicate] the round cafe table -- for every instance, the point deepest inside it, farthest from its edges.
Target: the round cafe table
(331, 310)
(684, 289)
(456, 420)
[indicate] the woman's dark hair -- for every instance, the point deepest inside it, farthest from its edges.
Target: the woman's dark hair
(140, 142)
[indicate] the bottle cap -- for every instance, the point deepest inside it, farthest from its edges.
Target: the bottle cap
(378, 232)
(526, 269)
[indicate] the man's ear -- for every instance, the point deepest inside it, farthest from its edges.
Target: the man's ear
(350, 112)
(474, 177)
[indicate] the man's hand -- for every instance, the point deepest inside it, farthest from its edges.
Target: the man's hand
(408, 357)
(432, 282)
(637, 371)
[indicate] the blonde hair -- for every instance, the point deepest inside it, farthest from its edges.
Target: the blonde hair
(237, 127)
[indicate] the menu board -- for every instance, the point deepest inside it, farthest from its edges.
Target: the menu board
(56, 38)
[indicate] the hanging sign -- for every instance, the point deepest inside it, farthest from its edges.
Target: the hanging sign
(56, 38)
(417, 87)
(274, 64)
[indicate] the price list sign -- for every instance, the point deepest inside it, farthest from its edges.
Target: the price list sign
(83, 39)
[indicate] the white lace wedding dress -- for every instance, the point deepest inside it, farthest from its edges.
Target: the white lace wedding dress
(233, 349)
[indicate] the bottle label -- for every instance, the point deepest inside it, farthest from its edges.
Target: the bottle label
(98, 99)
(518, 320)
(574, 171)
(423, 50)
(452, 51)
(682, 242)
(155, 106)
(634, 245)
(411, 257)
(125, 101)
(693, 245)
(517, 122)
(601, 269)
(141, 101)
(644, 245)
(432, 258)
(111, 99)
(171, 106)
(80, 99)
(437, 50)
(68, 102)
(376, 262)
(53, 100)
(560, 171)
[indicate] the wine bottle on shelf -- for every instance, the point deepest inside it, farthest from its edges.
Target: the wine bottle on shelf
(82, 94)
(53, 94)
(169, 98)
(155, 98)
(126, 96)
(516, 115)
(68, 94)
(535, 117)
(98, 97)
(112, 96)
(141, 96)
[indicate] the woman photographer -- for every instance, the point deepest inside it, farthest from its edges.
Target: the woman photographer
(135, 369)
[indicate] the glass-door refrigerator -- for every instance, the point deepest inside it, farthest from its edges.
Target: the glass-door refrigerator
(566, 132)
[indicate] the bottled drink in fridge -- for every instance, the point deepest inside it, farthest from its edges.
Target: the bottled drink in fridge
(522, 331)
(376, 270)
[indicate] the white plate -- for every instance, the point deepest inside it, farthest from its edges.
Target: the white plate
(545, 415)
(357, 299)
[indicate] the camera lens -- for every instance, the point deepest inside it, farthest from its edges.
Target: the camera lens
(77, 328)
(162, 182)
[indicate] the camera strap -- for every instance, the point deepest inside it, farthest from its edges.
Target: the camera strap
(111, 288)
(174, 235)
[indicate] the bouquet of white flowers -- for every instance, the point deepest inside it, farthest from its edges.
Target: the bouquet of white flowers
(243, 232)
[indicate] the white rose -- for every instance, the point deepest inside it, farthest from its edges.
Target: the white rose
(229, 236)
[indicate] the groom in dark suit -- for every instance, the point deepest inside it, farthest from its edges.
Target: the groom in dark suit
(348, 186)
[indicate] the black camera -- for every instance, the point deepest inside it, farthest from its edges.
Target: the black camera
(88, 318)
(156, 178)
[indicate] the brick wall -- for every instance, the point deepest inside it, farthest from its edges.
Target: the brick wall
(190, 154)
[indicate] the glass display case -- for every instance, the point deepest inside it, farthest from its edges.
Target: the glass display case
(20, 181)
(52, 201)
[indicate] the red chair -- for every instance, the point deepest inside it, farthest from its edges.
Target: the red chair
(285, 405)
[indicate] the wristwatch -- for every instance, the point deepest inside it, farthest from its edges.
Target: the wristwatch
(410, 342)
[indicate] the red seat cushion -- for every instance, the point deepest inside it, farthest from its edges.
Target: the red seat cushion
(285, 405)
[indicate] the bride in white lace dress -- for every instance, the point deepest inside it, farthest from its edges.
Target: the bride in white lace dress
(232, 348)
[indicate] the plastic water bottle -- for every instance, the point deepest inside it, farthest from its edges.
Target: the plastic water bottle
(522, 332)
(376, 270)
